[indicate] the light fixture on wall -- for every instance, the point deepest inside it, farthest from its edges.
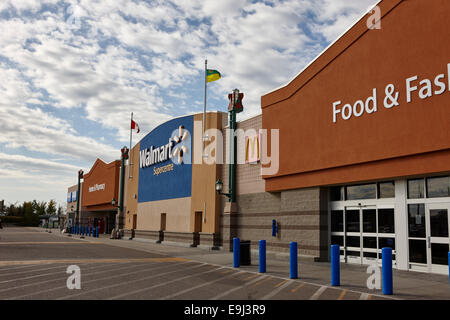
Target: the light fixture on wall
(219, 187)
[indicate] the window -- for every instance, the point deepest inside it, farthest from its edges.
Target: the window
(439, 254)
(416, 189)
(369, 220)
(352, 242)
(417, 251)
(337, 221)
(337, 240)
(386, 189)
(438, 223)
(416, 220)
(337, 194)
(386, 242)
(352, 220)
(386, 221)
(370, 242)
(360, 192)
(438, 187)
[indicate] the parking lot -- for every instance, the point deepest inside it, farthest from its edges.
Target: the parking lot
(33, 265)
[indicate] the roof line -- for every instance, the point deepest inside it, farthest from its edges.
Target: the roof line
(323, 51)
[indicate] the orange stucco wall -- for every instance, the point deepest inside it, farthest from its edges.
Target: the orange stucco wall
(101, 173)
(408, 139)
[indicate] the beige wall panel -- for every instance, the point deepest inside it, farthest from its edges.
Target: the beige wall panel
(131, 186)
(204, 177)
(177, 215)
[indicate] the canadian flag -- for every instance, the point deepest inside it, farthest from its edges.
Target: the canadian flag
(134, 125)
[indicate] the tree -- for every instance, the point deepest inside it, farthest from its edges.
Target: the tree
(51, 208)
(39, 207)
(31, 218)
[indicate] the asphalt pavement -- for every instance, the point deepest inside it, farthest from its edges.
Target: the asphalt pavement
(34, 264)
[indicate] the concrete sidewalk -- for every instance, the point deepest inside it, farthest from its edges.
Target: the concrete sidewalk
(407, 284)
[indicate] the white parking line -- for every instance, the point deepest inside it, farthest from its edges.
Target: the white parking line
(64, 268)
(276, 291)
(198, 286)
(237, 288)
(162, 284)
(132, 281)
(318, 293)
(62, 278)
(8, 268)
(28, 271)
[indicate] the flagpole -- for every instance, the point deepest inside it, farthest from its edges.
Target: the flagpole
(131, 137)
(204, 111)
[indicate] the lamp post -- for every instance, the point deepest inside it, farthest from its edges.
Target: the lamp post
(80, 176)
(119, 215)
(234, 107)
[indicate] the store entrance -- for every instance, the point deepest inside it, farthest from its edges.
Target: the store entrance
(362, 232)
(429, 241)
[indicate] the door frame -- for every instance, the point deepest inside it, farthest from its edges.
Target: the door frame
(435, 268)
(360, 207)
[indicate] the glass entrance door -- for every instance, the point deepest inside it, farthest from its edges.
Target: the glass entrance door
(367, 229)
(353, 234)
(438, 237)
(429, 244)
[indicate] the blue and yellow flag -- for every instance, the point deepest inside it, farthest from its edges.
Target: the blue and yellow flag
(212, 75)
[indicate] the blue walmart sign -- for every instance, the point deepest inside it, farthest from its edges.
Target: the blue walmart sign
(165, 161)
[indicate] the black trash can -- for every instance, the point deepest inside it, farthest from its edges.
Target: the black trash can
(245, 256)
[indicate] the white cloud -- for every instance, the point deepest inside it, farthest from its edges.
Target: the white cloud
(26, 178)
(36, 130)
(108, 58)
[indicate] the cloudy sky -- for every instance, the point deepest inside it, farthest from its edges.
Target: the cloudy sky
(72, 71)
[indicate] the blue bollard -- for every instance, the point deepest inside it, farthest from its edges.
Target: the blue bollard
(386, 266)
(262, 256)
(236, 255)
(335, 266)
(96, 231)
(77, 229)
(294, 262)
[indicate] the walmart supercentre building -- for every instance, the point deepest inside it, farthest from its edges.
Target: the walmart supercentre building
(363, 156)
